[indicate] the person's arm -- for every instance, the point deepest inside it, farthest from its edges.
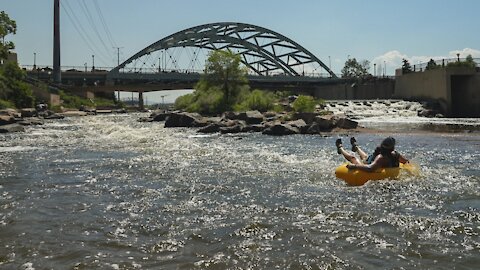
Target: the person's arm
(402, 159)
(368, 168)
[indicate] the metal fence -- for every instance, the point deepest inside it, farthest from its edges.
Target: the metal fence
(442, 63)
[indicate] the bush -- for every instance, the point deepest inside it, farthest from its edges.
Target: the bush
(182, 102)
(304, 104)
(5, 104)
(256, 100)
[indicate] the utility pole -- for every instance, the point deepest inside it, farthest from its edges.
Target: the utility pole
(34, 60)
(118, 55)
(57, 73)
(93, 63)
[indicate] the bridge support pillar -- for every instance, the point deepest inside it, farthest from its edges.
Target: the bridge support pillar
(140, 101)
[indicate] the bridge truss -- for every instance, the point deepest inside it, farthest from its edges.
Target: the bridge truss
(263, 51)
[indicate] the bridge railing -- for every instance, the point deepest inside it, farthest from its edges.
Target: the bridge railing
(144, 70)
(44, 68)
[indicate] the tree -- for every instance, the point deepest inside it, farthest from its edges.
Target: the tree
(7, 26)
(355, 70)
(431, 65)
(219, 87)
(406, 67)
(223, 70)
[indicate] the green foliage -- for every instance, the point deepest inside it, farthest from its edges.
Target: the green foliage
(304, 104)
(355, 70)
(7, 26)
(406, 67)
(5, 104)
(182, 102)
(12, 87)
(219, 88)
(468, 63)
(257, 100)
(73, 101)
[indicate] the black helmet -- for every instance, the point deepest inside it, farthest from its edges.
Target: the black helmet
(388, 143)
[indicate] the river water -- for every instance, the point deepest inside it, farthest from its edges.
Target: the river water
(108, 192)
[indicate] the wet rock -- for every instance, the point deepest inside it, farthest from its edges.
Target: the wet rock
(185, 119)
(159, 116)
(299, 124)
(325, 123)
(6, 119)
(309, 118)
(314, 128)
(11, 128)
(34, 121)
(211, 128)
(11, 112)
(28, 112)
(250, 117)
(255, 128)
(54, 116)
(346, 123)
(232, 129)
(281, 129)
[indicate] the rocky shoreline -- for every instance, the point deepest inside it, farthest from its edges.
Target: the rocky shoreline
(269, 123)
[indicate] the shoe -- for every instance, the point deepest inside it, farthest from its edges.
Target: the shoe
(338, 143)
(353, 141)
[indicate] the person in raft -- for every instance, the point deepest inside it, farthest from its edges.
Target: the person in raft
(384, 156)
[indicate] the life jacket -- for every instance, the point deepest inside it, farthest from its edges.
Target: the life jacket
(393, 159)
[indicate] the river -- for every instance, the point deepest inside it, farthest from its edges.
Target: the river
(108, 192)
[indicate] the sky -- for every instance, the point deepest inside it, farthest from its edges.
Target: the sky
(381, 31)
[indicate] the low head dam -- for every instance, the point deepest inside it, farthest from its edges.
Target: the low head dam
(456, 89)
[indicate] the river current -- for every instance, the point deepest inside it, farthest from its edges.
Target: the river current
(108, 192)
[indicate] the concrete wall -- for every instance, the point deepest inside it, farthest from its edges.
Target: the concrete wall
(377, 89)
(455, 89)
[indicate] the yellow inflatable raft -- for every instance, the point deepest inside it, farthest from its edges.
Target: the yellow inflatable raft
(355, 177)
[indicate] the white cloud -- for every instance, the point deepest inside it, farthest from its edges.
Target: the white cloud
(464, 53)
(393, 59)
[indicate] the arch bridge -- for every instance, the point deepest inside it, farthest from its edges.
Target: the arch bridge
(266, 54)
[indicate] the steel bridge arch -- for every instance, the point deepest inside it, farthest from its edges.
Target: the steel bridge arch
(246, 39)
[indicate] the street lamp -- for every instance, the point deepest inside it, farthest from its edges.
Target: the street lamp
(458, 57)
(93, 63)
(374, 69)
(85, 64)
(34, 60)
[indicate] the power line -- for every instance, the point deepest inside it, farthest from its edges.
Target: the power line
(81, 31)
(105, 26)
(90, 20)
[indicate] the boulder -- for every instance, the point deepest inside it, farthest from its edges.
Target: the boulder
(281, 129)
(252, 117)
(300, 124)
(34, 121)
(314, 129)
(159, 116)
(28, 112)
(233, 129)
(54, 116)
(10, 112)
(346, 123)
(325, 123)
(254, 128)
(211, 128)
(309, 118)
(6, 119)
(184, 119)
(11, 128)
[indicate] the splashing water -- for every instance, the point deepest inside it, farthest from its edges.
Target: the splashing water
(110, 192)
